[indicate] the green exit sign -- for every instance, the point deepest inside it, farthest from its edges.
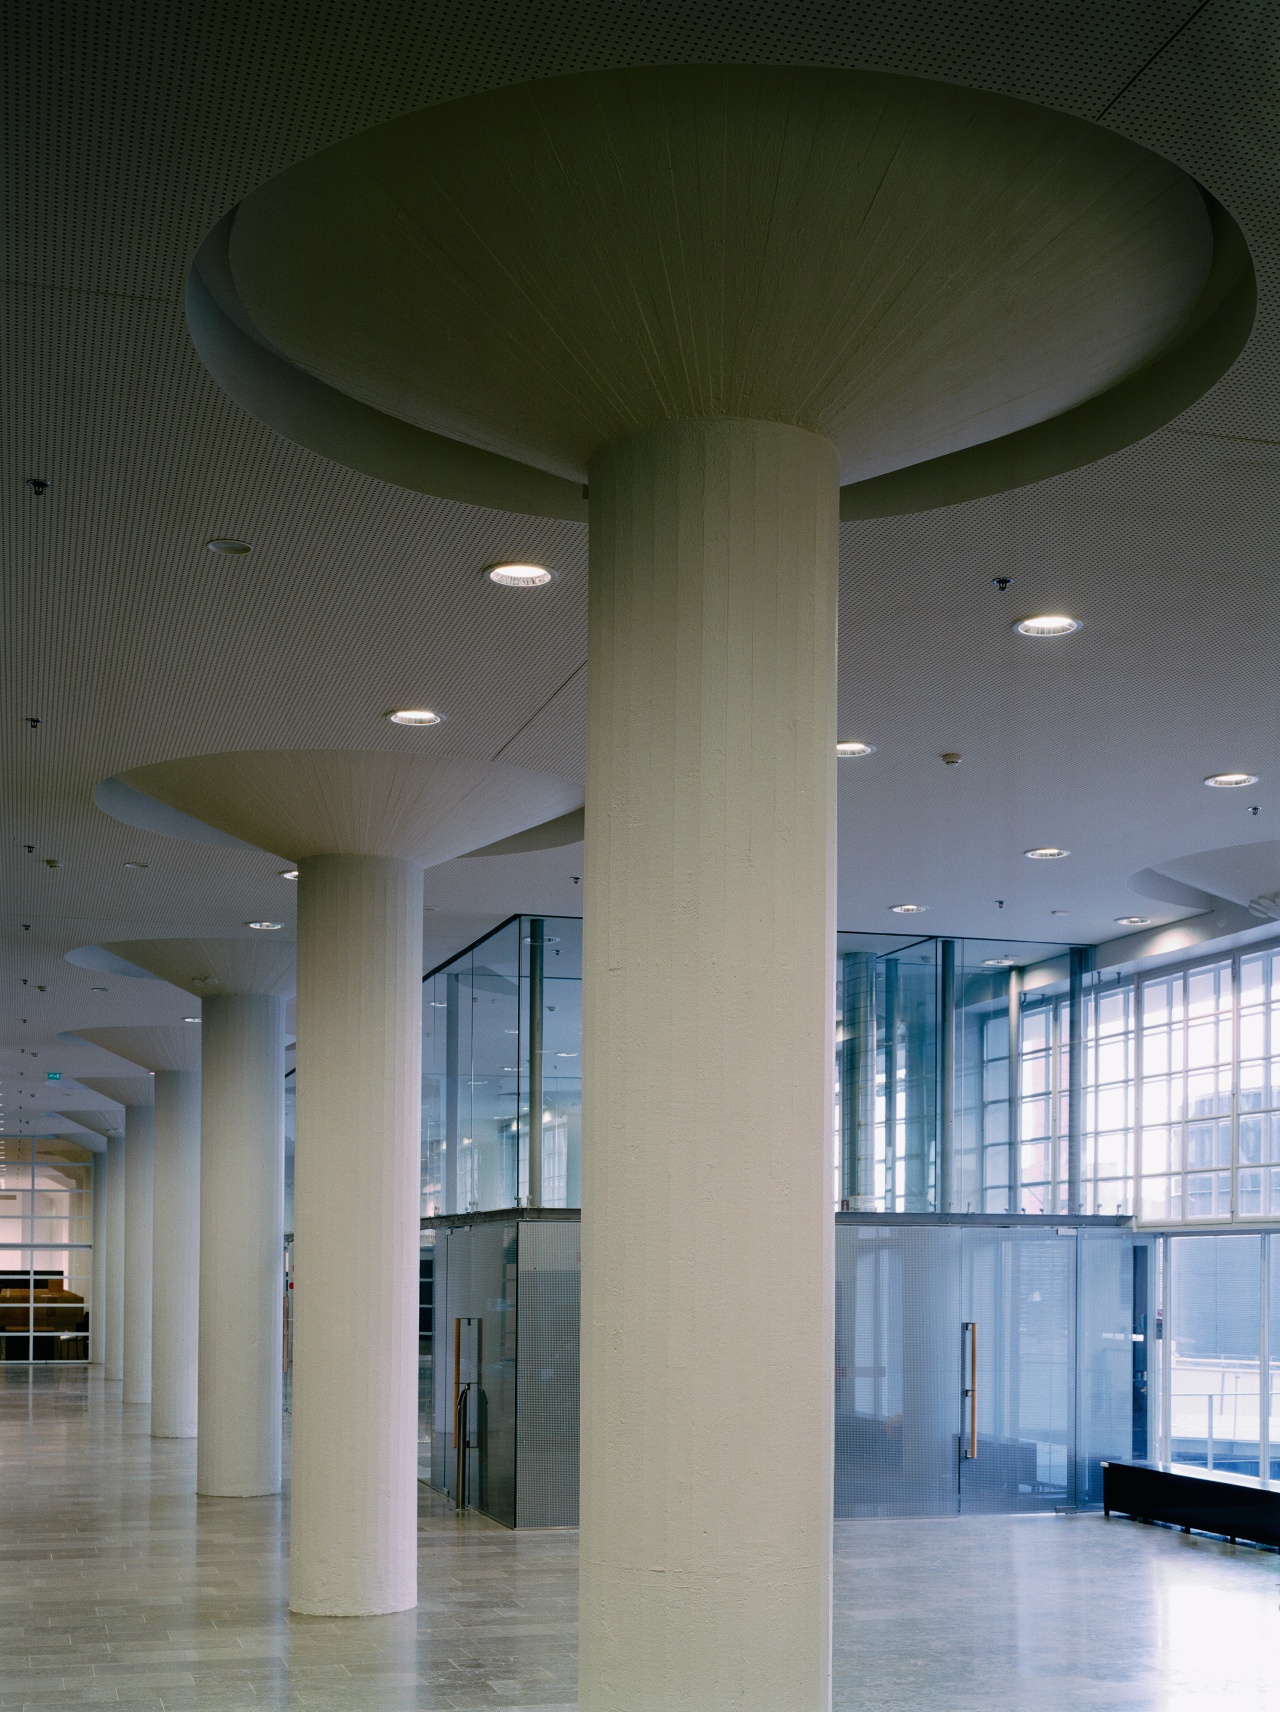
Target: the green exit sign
(53, 1075)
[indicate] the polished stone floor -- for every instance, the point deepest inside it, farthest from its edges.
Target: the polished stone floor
(117, 1587)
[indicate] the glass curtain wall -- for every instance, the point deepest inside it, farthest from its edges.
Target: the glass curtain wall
(984, 1077)
(45, 1249)
(501, 1071)
(927, 1035)
(972, 1076)
(1215, 1357)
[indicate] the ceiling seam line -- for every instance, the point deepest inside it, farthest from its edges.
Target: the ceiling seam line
(538, 711)
(1144, 69)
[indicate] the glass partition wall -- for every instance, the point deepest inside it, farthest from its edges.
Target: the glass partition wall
(501, 1071)
(45, 1249)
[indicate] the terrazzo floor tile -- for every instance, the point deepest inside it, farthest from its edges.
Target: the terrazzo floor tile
(118, 1587)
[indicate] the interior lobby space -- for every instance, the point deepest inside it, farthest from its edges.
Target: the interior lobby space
(120, 1588)
(640, 879)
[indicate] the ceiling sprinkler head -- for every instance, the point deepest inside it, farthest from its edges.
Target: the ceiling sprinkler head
(38, 485)
(951, 757)
(1002, 583)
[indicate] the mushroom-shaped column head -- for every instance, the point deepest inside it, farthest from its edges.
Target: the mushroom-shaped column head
(339, 802)
(155, 1048)
(476, 298)
(97, 1119)
(209, 968)
(126, 1091)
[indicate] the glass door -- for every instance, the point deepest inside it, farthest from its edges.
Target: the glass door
(1017, 1348)
(979, 1367)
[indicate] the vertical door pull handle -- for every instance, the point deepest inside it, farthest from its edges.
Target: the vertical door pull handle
(969, 1389)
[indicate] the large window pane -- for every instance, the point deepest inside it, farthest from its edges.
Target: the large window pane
(1214, 1330)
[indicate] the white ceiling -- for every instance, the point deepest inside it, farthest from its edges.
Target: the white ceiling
(131, 128)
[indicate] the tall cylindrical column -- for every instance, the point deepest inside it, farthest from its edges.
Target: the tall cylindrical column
(175, 1254)
(708, 1048)
(98, 1272)
(241, 1245)
(357, 1192)
(139, 1169)
(113, 1235)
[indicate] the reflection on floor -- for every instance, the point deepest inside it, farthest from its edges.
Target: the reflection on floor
(117, 1587)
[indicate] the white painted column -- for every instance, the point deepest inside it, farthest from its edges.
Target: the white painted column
(241, 1245)
(139, 1165)
(175, 1255)
(98, 1275)
(113, 1236)
(708, 1053)
(357, 1192)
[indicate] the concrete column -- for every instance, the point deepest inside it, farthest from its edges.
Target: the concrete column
(357, 1188)
(708, 1048)
(139, 1167)
(241, 1244)
(113, 1236)
(98, 1287)
(175, 1255)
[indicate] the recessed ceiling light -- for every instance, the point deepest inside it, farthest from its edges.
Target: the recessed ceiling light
(1046, 853)
(265, 926)
(850, 747)
(97, 989)
(1230, 781)
(228, 544)
(510, 574)
(997, 962)
(137, 865)
(415, 716)
(191, 1019)
(1133, 920)
(288, 873)
(908, 909)
(1047, 624)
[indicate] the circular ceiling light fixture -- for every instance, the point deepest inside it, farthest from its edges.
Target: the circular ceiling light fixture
(415, 716)
(288, 873)
(1046, 853)
(191, 1019)
(908, 909)
(997, 962)
(1230, 781)
(850, 748)
(1047, 624)
(228, 544)
(510, 574)
(1134, 920)
(265, 926)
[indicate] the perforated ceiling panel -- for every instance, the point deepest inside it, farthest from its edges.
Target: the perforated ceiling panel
(131, 128)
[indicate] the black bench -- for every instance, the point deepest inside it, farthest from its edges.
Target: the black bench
(1238, 1505)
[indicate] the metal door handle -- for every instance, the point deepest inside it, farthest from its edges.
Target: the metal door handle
(969, 1392)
